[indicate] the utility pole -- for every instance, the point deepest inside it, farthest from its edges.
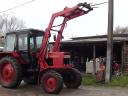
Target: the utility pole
(109, 41)
(94, 59)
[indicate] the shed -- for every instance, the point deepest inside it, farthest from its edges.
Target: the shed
(83, 48)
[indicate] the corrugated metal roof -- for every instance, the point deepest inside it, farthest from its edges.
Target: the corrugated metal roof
(101, 38)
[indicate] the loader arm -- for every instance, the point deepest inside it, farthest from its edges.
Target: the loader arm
(67, 14)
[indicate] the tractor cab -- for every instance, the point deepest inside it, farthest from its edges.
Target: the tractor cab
(23, 40)
(27, 42)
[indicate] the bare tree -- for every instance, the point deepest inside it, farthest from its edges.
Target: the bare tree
(121, 30)
(9, 23)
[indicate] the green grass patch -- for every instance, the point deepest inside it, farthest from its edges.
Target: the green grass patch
(89, 80)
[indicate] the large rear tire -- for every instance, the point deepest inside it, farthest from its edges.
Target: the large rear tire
(10, 72)
(52, 82)
(72, 78)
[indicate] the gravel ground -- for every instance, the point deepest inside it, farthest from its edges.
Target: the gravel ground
(32, 90)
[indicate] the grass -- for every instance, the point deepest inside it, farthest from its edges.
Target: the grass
(89, 80)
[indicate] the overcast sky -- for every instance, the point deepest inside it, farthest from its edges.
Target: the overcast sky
(38, 13)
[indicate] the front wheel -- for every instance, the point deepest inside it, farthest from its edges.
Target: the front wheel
(72, 78)
(52, 82)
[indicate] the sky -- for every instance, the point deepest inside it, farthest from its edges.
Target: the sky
(37, 15)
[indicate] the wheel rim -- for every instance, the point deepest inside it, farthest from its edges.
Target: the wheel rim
(50, 84)
(7, 72)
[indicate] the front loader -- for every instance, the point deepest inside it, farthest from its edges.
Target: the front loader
(27, 57)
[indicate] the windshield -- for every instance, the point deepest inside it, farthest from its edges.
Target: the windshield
(35, 41)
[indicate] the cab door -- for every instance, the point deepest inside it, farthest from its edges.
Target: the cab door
(34, 44)
(23, 46)
(27, 46)
(32, 49)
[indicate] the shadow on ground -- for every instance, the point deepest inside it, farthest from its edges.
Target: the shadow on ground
(35, 90)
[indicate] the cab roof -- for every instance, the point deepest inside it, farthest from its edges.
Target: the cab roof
(27, 31)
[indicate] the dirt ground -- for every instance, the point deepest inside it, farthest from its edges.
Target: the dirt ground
(32, 90)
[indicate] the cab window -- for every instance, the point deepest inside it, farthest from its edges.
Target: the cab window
(10, 42)
(39, 41)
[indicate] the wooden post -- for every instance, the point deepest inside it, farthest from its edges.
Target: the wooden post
(122, 56)
(109, 41)
(94, 59)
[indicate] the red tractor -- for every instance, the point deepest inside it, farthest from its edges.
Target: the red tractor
(26, 56)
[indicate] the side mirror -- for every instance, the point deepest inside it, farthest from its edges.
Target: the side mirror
(62, 37)
(54, 37)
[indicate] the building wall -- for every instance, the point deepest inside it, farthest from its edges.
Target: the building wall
(125, 58)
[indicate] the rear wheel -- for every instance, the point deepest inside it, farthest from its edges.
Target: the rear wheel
(72, 78)
(52, 82)
(10, 72)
